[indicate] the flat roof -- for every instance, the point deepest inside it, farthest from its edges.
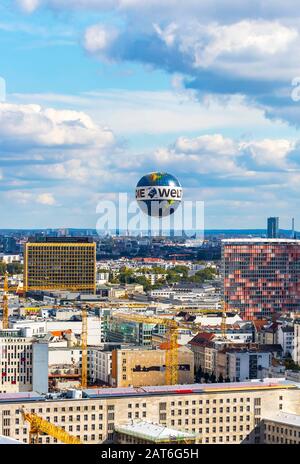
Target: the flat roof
(9, 441)
(260, 240)
(60, 240)
(154, 432)
(163, 390)
(285, 418)
(191, 389)
(19, 396)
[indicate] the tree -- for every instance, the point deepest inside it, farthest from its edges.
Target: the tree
(142, 280)
(220, 379)
(199, 374)
(14, 268)
(209, 273)
(126, 276)
(206, 377)
(2, 268)
(213, 378)
(291, 365)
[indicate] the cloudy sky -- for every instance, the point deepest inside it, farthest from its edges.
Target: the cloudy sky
(99, 92)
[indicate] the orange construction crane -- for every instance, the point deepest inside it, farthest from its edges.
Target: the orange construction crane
(172, 345)
(84, 331)
(39, 425)
(224, 321)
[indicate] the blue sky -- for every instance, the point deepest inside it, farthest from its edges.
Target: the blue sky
(100, 92)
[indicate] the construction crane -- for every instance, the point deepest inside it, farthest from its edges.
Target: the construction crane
(84, 330)
(39, 425)
(172, 345)
(224, 321)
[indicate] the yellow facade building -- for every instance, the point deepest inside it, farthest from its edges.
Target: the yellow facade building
(67, 263)
(137, 368)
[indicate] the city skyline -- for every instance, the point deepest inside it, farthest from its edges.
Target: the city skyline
(99, 93)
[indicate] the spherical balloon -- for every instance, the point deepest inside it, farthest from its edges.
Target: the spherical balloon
(158, 194)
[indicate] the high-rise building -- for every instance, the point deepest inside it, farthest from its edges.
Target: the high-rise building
(23, 362)
(273, 227)
(261, 276)
(60, 263)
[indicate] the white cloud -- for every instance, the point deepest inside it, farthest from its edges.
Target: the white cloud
(29, 5)
(162, 112)
(260, 37)
(48, 127)
(46, 199)
(98, 38)
(219, 157)
(168, 35)
(20, 197)
(269, 152)
(176, 9)
(209, 143)
(28, 197)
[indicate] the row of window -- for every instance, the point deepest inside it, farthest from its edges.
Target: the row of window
(220, 410)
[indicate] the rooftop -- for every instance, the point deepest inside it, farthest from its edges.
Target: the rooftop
(153, 432)
(9, 441)
(283, 418)
(98, 393)
(260, 240)
(60, 240)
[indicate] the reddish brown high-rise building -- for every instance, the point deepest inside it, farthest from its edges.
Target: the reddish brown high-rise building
(261, 276)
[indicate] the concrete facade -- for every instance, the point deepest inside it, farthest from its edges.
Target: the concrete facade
(147, 367)
(231, 413)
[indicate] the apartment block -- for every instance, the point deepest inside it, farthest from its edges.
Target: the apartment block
(23, 363)
(136, 367)
(100, 365)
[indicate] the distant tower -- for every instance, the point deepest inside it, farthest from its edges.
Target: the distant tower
(273, 227)
(293, 228)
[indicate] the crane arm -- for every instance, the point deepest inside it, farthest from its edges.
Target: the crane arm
(170, 323)
(40, 425)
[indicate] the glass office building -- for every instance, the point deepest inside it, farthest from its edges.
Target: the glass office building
(273, 227)
(261, 276)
